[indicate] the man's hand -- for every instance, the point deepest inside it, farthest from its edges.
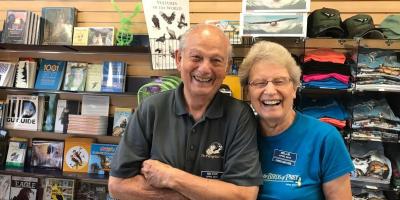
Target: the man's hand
(158, 174)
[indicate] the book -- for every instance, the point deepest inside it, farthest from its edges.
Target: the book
(50, 108)
(25, 73)
(75, 76)
(5, 72)
(76, 154)
(59, 188)
(25, 188)
(92, 191)
(16, 28)
(5, 186)
(114, 75)
(50, 75)
(100, 158)
(64, 108)
(3, 147)
(94, 77)
(59, 23)
(16, 154)
(47, 154)
(95, 105)
(121, 119)
(23, 112)
(3, 106)
(81, 35)
(101, 36)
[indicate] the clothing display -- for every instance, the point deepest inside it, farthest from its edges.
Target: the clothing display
(222, 145)
(297, 161)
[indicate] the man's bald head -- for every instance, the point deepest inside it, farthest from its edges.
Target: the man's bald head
(208, 31)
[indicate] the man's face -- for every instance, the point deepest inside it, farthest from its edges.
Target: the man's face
(203, 63)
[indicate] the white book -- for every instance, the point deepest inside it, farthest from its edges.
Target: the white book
(95, 105)
(22, 112)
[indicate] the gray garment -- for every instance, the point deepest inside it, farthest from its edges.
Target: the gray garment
(221, 145)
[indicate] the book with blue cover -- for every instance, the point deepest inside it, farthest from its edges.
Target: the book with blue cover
(50, 75)
(100, 158)
(114, 75)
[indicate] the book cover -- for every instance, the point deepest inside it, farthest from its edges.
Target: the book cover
(92, 191)
(50, 75)
(21, 79)
(94, 77)
(121, 119)
(81, 35)
(100, 158)
(64, 108)
(50, 108)
(22, 112)
(101, 36)
(47, 154)
(95, 105)
(59, 23)
(16, 28)
(3, 107)
(16, 154)
(59, 189)
(75, 76)
(5, 68)
(24, 188)
(76, 154)
(5, 186)
(3, 147)
(114, 75)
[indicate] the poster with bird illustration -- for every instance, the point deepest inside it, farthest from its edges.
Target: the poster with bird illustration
(167, 21)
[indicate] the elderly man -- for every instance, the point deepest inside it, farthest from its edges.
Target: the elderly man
(193, 142)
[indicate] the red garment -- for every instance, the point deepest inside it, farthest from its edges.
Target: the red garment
(325, 55)
(335, 122)
(316, 77)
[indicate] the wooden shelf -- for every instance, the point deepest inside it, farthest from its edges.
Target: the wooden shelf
(61, 136)
(70, 48)
(50, 173)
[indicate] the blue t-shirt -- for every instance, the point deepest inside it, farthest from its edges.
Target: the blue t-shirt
(298, 161)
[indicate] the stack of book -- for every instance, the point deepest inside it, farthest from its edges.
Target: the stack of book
(7, 74)
(21, 27)
(84, 124)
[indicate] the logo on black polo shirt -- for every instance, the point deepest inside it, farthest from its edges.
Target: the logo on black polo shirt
(213, 151)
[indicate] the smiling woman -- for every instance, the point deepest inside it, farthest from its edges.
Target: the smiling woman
(301, 157)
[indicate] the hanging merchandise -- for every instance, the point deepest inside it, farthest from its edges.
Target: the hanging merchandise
(167, 21)
(124, 33)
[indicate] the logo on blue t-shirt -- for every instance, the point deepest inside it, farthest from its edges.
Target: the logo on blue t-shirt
(284, 157)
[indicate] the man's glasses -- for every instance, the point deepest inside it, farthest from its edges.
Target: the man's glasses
(277, 82)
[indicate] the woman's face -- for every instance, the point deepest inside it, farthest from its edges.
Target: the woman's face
(271, 91)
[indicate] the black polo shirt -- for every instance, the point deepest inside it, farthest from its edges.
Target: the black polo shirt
(221, 145)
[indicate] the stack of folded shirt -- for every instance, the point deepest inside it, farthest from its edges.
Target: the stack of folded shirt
(326, 110)
(373, 119)
(378, 69)
(326, 68)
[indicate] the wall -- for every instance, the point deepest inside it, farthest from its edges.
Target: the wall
(101, 13)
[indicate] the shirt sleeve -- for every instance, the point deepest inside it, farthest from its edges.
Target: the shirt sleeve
(336, 159)
(134, 147)
(242, 165)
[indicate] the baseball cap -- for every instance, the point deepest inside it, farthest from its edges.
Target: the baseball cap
(362, 25)
(391, 26)
(325, 22)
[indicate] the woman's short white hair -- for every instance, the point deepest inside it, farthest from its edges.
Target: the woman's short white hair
(271, 52)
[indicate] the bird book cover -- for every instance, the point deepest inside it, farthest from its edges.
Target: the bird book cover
(16, 154)
(59, 189)
(47, 154)
(166, 22)
(24, 187)
(76, 154)
(94, 77)
(100, 158)
(121, 119)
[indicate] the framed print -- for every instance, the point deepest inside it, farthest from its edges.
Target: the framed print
(275, 6)
(273, 24)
